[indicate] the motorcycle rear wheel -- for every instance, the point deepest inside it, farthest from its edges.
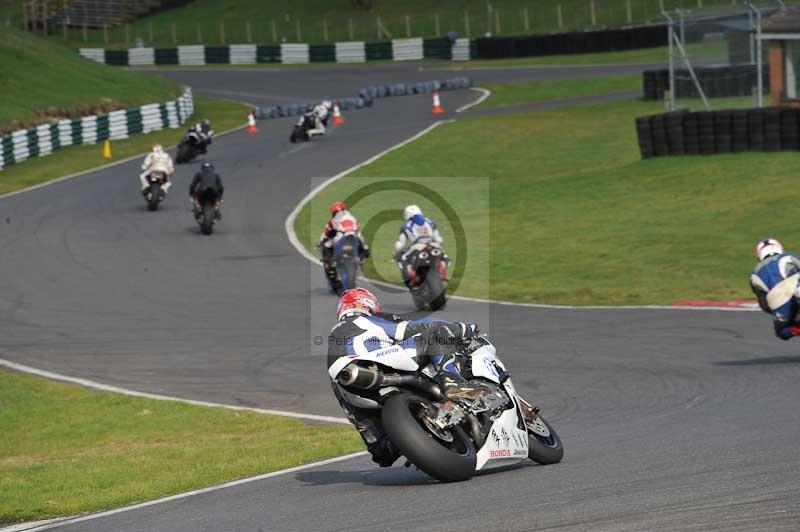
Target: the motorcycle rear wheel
(446, 461)
(184, 154)
(207, 220)
(153, 198)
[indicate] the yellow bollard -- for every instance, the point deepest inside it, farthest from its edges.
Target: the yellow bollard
(107, 149)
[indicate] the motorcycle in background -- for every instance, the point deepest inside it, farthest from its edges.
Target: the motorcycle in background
(301, 129)
(426, 272)
(189, 148)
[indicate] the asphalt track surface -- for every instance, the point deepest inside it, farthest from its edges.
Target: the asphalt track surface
(672, 420)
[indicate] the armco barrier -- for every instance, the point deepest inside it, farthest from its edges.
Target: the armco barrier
(366, 96)
(717, 82)
(724, 131)
(42, 140)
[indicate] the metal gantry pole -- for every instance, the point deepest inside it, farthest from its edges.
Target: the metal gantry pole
(759, 56)
(670, 37)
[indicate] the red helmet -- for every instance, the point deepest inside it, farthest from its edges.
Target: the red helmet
(357, 299)
(337, 206)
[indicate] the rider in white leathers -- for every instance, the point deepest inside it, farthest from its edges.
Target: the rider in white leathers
(320, 113)
(157, 161)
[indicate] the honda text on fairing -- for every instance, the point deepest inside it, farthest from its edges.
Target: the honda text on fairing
(483, 424)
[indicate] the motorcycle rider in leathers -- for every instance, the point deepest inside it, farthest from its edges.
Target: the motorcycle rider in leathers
(361, 328)
(157, 161)
(206, 179)
(417, 228)
(319, 115)
(204, 133)
(774, 281)
(341, 223)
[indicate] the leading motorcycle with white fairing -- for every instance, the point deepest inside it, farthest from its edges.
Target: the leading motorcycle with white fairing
(482, 424)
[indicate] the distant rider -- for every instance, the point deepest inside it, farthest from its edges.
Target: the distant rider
(204, 133)
(206, 179)
(157, 161)
(775, 283)
(319, 115)
(341, 223)
(361, 329)
(416, 229)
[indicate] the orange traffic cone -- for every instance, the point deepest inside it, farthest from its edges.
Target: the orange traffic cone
(437, 105)
(338, 120)
(251, 123)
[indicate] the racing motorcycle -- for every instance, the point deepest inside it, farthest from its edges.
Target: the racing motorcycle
(481, 425)
(426, 271)
(189, 148)
(155, 193)
(301, 128)
(346, 260)
(206, 210)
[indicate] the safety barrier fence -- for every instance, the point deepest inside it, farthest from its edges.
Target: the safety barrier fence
(366, 96)
(725, 131)
(611, 39)
(42, 140)
(717, 82)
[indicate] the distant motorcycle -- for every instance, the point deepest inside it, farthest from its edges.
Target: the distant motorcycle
(346, 253)
(425, 267)
(206, 210)
(301, 129)
(155, 193)
(483, 424)
(189, 148)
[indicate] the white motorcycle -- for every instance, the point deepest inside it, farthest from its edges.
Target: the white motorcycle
(483, 424)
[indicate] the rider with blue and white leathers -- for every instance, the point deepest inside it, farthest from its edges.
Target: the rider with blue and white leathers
(319, 114)
(775, 283)
(416, 229)
(362, 329)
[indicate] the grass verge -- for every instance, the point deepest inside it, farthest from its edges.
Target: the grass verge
(222, 113)
(67, 450)
(504, 94)
(33, 67)
(575, 217)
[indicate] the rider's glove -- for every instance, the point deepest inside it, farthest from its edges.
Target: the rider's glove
(470, 330)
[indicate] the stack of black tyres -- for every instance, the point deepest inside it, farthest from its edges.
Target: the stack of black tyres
(755, 129)
(675, 132)
(705, 132)
(645, 134)
(739, 130)
(691, 134)
(772, 129)
(790, 139)
(659, 131)
(723, 131)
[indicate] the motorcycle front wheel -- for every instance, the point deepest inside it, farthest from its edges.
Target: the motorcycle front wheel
(446, 455)
(544, 444)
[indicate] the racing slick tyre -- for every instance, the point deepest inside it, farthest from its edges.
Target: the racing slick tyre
(153, 198)
(544, 444)
(436, 291)
(184, 154)
(446, 455)
(207, 225)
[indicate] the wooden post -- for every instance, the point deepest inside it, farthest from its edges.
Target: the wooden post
(64, 28)
(378, 26)
(274, 32)
(325, 30)
(25, 20)
(700, 3)
(248, 32)
(661, 6)
(629, 11)
(466, 23)
(174, 34)
(436, 26)
(592, 13)
(105, 33)
(497, 21)
(127, 34)
(525, 20)
(351, 29)
(44, 17)
(222, 31)
(199, 34)
(408, 26)
(560, 16)
(297, 26)
(150, 31)
(85, 33)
